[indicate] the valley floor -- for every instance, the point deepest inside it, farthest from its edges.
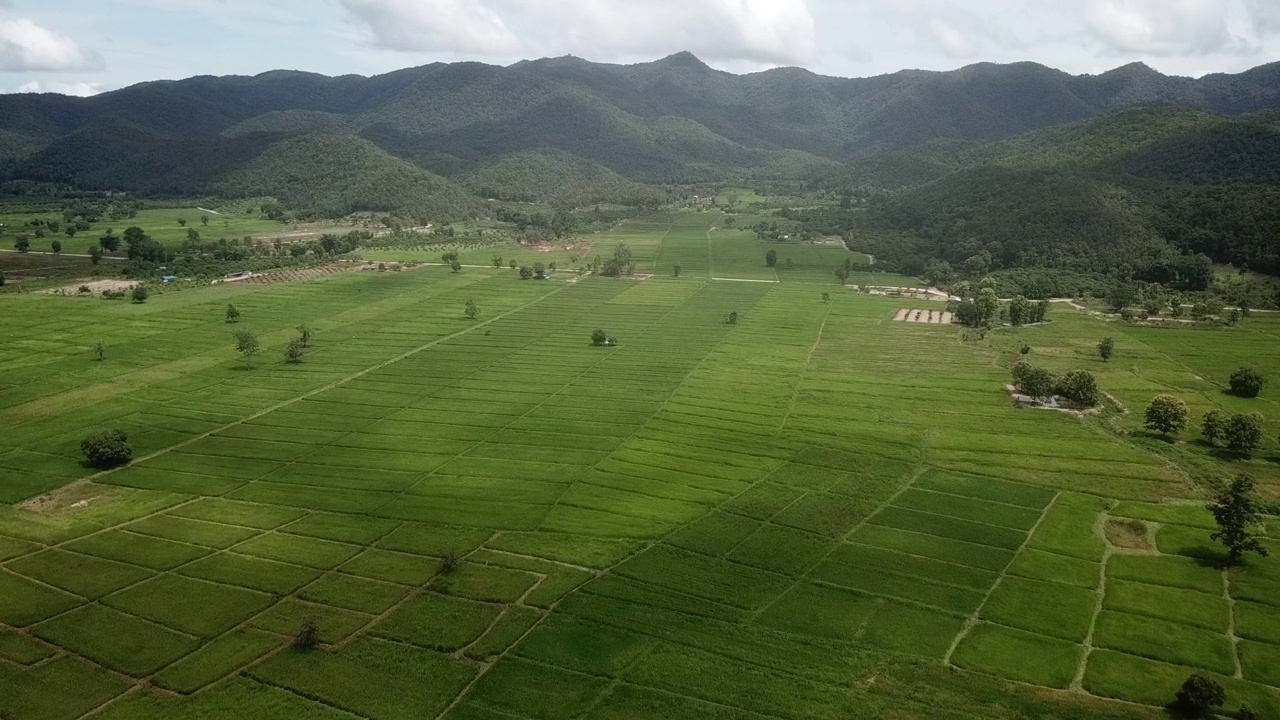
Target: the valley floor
(816, 512)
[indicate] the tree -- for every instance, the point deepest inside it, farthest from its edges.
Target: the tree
(140, 293)
(204, 220)
(599, 338)
(1199, 695)
(771, 258)
(826, 297)
(497, 262)
(1167, 415)
(1107, 349)
(526, 272)
(193, 236)
(842, 274)
(1247, 382)
(1020, 311)
(1244, 433)
(22, 243)
(304, 334)
(539, 271)
(513, 263)
(294, 351)
(110, 243)
(1025, 350)
(1036, 382)
(247, 345)
(1214, 426)
(107, 448)
(56, 245)
(731, 318)
(455, 266)
(233, 313)
(675, 270)
(308, 636)
(1238, 514)
(100, 350)
(182, 222)
(95, 254)
(472, 310)
(1080, 387)
(619, 263)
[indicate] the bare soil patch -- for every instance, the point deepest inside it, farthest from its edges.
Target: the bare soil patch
(95, 287)
(1129, 534)
(76, 496)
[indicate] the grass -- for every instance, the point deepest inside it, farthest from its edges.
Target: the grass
(798, 515)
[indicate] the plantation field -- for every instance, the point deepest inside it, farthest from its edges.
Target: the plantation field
(814, 513)
(658, 243)
(162, 225)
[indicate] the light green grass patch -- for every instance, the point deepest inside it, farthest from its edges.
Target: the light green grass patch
(1164, 641)
(287, 617)
(1260, 662)
(23, 649)
(485, 583)
(195, 532)
(133, 646)
(1068, 529)
(230, 512)
(65, 687)
(216, 660)
(354, 593)
(250, 572)
(1051, 567)
(437, 622)
(1018, 655)
(372, 678)
(504, 633)
(299, 550)
(389, 566)
(1051, 609)
(1258, 622)
(1170, 571)
(547, 692)
(83, 575)
(812, 609)
(219, 608)
(23, 602)
(715, 534)
(1188, 607)
(782, 550)
(143, 550)
(912, 629)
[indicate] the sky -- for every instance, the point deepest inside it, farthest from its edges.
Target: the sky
(83, 47)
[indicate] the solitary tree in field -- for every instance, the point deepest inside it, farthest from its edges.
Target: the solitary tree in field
(731, 318)
(675, 270)
(771, 258)
(1167, 415)
(1213, 428)
(1238, 514)
(304, 334)
(247, 345)
(107, 448)
(233, 313)
(513, 263)
(497, 261)
(1199, 695)
(1107, 349)
(455, 266)
(56, 245)
(842, 274)
(109, 243)
(526, 272)
(308, 636)
(140, 293)
(826, 297)
(182, 222)
(1247, 382)
(599, 338)
(100, 350)
(204, 220)
(294, 351)
(472, 309)
(22, 243)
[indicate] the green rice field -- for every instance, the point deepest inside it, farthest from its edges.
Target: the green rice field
(814, 513)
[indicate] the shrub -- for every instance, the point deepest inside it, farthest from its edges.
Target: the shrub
(233, 313)
(731, 318)
(107, 448)
(1107, 349)
(771, 258)
(1080, 387)
(1247, 382)
(293, 351)
(308, 636)
(140, 293)
(1200, 694)
(449, 563)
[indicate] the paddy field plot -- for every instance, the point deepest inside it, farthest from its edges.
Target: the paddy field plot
(828, 512)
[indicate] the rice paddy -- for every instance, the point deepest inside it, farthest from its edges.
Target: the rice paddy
(814, 512)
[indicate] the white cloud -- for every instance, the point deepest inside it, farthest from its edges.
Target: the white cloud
(954, 43)
(62, 87)
(460, 26)
(26, 46)
(1164, 27)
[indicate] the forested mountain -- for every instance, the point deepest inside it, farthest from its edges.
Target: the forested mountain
(1122, 193)
(600, 129)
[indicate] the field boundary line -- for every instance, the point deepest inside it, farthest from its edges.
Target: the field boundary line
(804, 371)
(1231, 624)
(973, 620)
(315, 391)
(1099, 529)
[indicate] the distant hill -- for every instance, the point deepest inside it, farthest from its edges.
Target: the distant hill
(1117, 192)
(675, 120)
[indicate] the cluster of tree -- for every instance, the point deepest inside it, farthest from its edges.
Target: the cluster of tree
(620, 263)
(1078, 387)
(560, 224)
(1242, 433)
(1022, 311)
(107, 448)
(537, 271)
